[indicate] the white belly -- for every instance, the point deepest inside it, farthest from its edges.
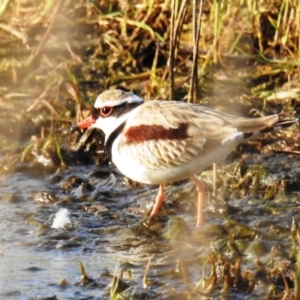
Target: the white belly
(140, 173)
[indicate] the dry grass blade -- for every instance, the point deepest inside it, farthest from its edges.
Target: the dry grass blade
(175, 29)
(172, 50)
(136, 31)
(197, 15)
(3, 6)
(38, 51)
(297, 277)
(40, 99)
(153, 78)
(124, 6)
(146, 272)
(17, 33)
(84, 278)
(137, 24)
(297, 22)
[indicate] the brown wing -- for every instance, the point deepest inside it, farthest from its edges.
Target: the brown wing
(164, 134)
(167, 133)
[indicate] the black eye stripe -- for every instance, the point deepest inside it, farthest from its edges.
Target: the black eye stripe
(117, 110)
(95, 113)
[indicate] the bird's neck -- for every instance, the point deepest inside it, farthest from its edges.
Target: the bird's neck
(109, 140)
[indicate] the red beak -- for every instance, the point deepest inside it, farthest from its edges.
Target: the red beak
(86, 123)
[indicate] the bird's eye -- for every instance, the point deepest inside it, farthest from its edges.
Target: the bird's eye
(106, 111)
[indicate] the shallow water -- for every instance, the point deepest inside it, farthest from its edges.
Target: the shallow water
(35, 260)
(107, 234)
(30, 274)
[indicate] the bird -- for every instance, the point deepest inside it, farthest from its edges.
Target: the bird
(160, 142)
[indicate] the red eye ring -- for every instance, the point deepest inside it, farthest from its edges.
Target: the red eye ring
(106, 111)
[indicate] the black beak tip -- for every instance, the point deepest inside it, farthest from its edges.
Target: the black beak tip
(74, 128)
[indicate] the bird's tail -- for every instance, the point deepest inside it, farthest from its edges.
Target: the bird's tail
(252, 127)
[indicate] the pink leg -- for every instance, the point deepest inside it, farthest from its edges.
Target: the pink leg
(200, 189)
(158, 202)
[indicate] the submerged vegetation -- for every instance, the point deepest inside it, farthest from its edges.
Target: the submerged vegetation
(240, 56)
